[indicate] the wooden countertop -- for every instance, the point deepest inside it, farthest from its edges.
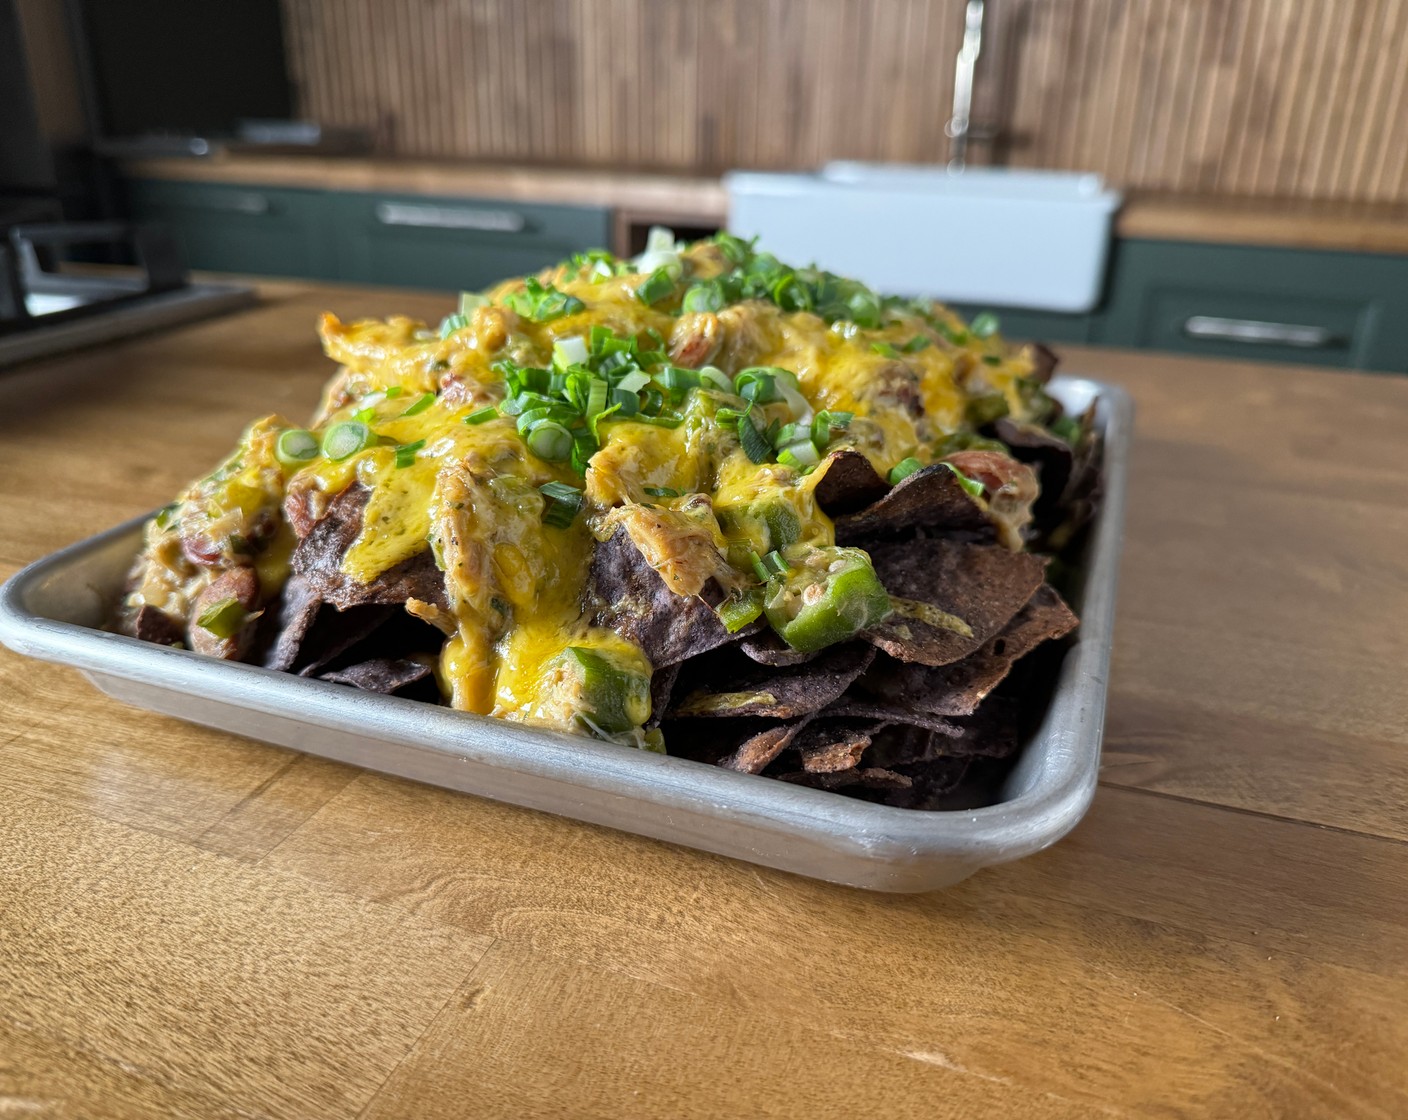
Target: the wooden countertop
(193, 923)
(701, 200)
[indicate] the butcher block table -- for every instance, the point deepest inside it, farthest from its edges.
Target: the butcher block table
(196, 924)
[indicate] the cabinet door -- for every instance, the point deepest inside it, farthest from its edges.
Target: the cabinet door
(264, 231)
(1278, 305)
(454, 244)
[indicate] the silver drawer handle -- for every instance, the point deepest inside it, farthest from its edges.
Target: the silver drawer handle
(243, 203)
(449, 217)
(1258, 333)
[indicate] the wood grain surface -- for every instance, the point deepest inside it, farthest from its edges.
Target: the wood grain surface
(195, 924)
(1222, 97)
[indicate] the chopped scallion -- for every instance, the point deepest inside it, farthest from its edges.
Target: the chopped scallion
(903, 469)
(775, 563)
(656, 286)
(755, 444)
(550, 441)
(482, 416)
(564, 503)
(452, 323)
(971, 485)
(296, 447)
(419, 405)
(406, 453)
(570, 352)
(985, 325)
(344, 440)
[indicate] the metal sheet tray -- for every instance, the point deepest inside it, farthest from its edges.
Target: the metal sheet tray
(53, 610)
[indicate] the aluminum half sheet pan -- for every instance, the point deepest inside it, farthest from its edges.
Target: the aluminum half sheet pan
(53, 610)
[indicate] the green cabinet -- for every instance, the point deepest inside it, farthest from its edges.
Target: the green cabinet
(1042, 326)
(1226, 301)
(423, 241)
(1276, 305)
(265, 231)
(413, 241)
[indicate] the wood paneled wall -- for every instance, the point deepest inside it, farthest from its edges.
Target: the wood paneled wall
(1300, 98)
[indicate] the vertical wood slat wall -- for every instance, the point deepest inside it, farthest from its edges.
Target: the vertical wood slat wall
(1294, 98)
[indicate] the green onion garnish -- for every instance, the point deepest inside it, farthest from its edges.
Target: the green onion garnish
(885, 348)
(482, 416)
(985, 325)
(452, 323)
(570, 352)
(759, 568)
(993, 359)
(757, 383)
(419, 405)
(775, 563)
(715, 378)
(972, 485)
(656, 286)
(705, 295)
(564, 503)
(344, 440)
(915, 344)
(542, 303)
(550, 441)
(295, 447)
(406, 453)
(662, 491)
(755, 444)
(365, 415)
(903, 469)
(224, 619)
(393, 392)
(803, 453)
(166, 515)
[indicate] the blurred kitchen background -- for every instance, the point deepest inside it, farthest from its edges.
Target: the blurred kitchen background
(1219, 177)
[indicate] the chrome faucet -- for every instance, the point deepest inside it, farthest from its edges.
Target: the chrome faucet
(960, 128)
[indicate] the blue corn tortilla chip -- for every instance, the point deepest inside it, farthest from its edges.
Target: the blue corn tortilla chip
(930, 499)
(629, 596)
(958, 688)
(318, 559)
(746, 688)
(385, 675)
(848, 484)
(981, 586)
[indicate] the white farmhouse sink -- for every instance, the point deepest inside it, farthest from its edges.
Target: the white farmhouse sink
(1032, 239)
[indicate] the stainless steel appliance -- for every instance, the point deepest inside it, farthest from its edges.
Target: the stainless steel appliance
(46, 306)
(46, 309)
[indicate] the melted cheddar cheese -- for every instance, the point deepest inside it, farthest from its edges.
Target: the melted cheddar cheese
(471, 492)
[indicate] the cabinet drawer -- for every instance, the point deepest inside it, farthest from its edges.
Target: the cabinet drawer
(225, 228)
(456, 244)
(1279, 305)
